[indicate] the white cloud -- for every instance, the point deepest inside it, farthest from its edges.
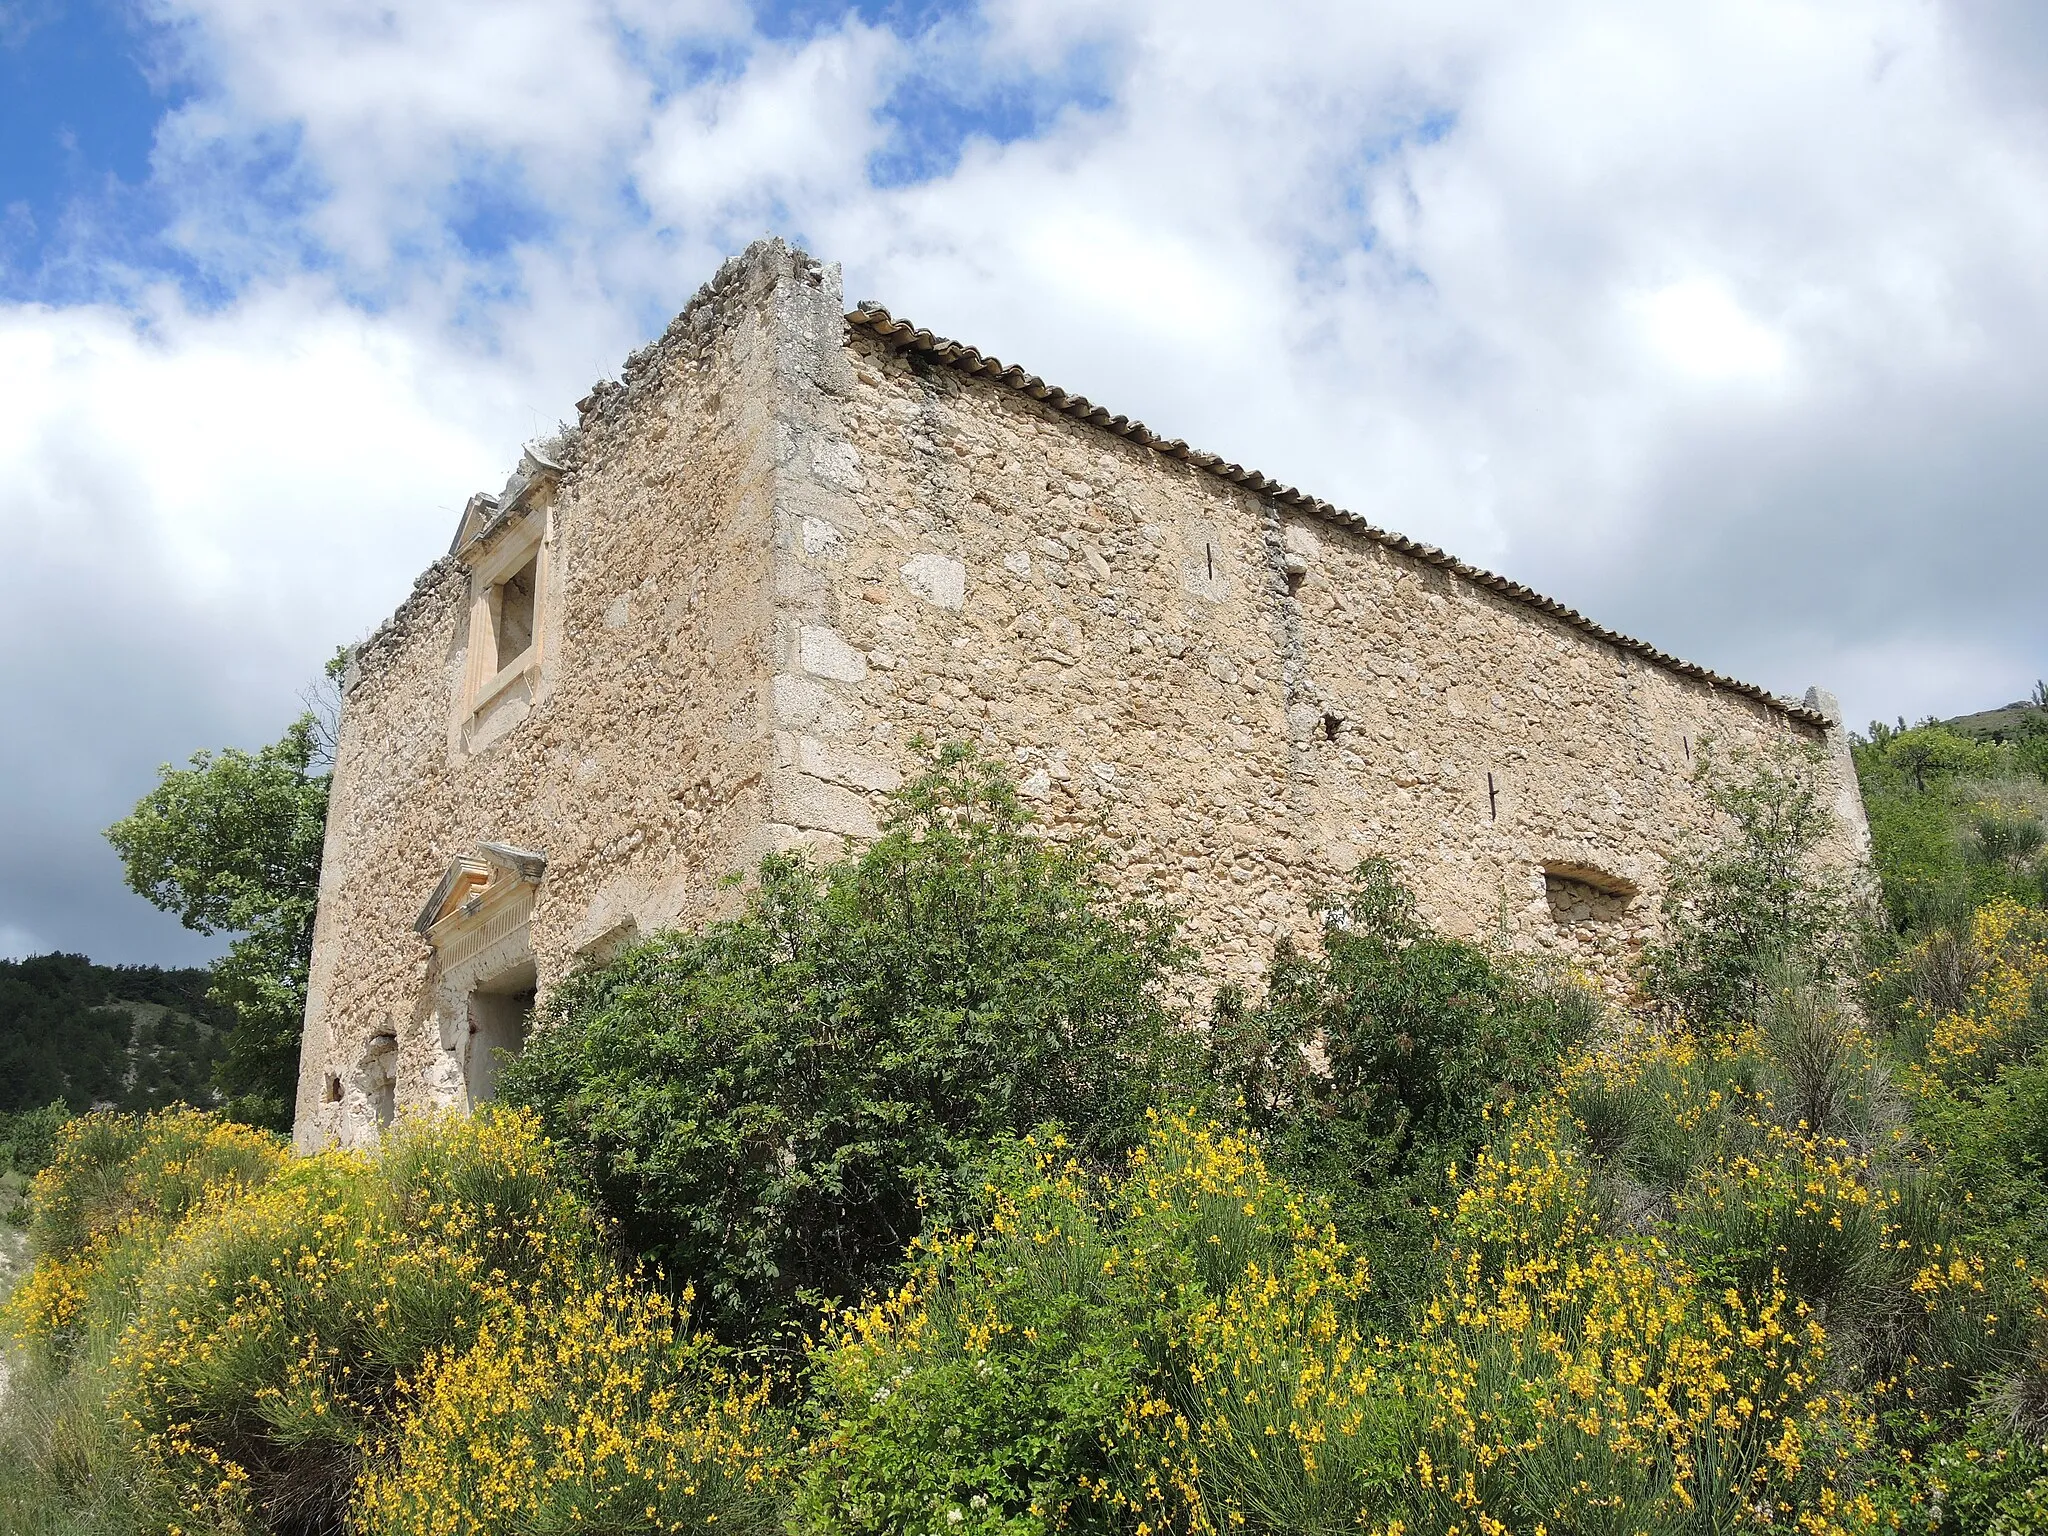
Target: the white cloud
(793, 130)
(1703, 333)
(1727, 323)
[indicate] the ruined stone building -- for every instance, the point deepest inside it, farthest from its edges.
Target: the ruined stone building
(708, 621)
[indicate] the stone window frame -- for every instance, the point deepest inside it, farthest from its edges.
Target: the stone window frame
(486, 677)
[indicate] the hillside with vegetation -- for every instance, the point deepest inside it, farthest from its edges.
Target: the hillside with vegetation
(917, 1199)
(76, 1036)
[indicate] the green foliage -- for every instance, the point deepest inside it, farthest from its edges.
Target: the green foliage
(594, 1409)
(232, 845)
(114, 1189)
(1955, 821)
(1926, 755)
(1172, 1348)
(772, 1109)
(1761, 898)
(270, 1341)
(1370, 1066)
(29, 1139)
(133, 1036)
(220, 1337)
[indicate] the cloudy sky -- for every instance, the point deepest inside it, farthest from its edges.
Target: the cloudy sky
(1727, 323)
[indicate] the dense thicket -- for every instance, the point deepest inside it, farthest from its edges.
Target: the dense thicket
(1438, 1242)
(65, 1035)
(775, 1107)
(1370, 1066)
(1956, 821)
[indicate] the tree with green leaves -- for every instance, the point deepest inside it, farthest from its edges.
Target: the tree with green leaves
(231, 843)
(1759, 898)
(773, 1108)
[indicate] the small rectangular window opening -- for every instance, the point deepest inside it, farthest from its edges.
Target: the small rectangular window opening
(333, 1088)
(513, 612)
(1333, 726)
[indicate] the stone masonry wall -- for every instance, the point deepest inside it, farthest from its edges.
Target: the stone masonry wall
(1245, 698)
(786, 545)
(638, 765)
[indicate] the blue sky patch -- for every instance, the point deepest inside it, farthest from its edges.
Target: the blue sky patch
(80, 99)
(789, 20)
(935, 110)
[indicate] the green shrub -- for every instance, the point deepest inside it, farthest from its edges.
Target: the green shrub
(29, 1140)
(772, 1109)
(1370, 1066)
(273, 1336)
(1955, 823)
(101, 1212)
(115, 1189)
(1172, 1348)
(595, 1410)
(1760, 898)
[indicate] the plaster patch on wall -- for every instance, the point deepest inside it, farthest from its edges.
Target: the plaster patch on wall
(938, 579)
(824, 652)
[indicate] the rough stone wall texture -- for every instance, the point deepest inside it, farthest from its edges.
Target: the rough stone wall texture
(1245, 697)
(638, 763)
(787, 546)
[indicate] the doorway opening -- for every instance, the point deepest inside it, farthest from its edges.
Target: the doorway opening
(500, 1014)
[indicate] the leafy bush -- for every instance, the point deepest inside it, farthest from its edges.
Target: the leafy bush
(101, 1212)
(1761, 899)
(1955, 823)
(771, 1109)
(596, 1411)
(28, 1140)
(1569, 1379)
(1370, 1067)
(115, 1189)
(274, 1334)
(1171, 1348)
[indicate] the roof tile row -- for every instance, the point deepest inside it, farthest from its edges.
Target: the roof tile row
(877, 321)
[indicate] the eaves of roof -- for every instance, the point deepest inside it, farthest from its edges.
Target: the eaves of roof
(901, 334)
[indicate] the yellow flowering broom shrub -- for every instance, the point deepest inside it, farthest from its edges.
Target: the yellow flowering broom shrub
(115, 1188)
(272, 1339)
(2004, 1017)
(596, 1411)
(1174, 1348)
(1570, 1379)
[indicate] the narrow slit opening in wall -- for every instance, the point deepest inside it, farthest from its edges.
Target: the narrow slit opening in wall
(1492, 800)
(1209, 559)
(1686, 742)
(515, 612)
